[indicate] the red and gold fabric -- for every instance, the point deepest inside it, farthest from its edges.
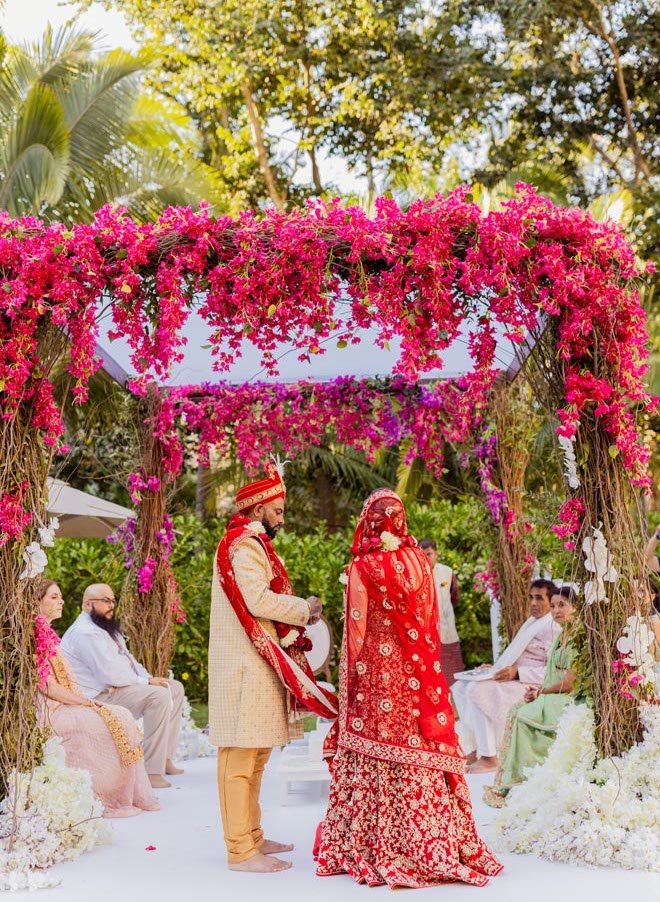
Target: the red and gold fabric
(290, 665)
(399, 811)
(261, 491)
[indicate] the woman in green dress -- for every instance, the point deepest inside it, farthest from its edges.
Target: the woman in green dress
(532, 725)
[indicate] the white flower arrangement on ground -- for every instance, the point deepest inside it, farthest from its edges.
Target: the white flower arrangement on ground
(576, 809)
(58, 818)
(193, 742)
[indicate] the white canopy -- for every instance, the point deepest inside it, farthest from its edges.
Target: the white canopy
(362, 360)
(83, 516)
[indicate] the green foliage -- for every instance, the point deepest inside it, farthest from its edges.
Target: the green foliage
(277, 87)
(77, 563)
(77, 131)
(580, 81)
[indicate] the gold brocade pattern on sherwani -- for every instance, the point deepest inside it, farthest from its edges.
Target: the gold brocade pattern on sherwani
(128, 754)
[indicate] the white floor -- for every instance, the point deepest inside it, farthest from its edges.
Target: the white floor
(188, 863)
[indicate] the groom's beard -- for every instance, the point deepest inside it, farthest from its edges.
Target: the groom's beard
(271, 531)
(109, 624)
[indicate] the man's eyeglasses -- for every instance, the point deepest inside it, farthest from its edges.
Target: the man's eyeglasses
(110, 601)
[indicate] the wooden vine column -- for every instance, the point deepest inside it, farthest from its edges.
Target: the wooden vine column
(612, 503)
(147, 616)
(23, 474)
(516, 426)
(24, 464)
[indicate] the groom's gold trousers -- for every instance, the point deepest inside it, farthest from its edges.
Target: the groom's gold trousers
(239, 783)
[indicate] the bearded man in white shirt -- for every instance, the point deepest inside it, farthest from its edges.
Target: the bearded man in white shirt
(105, 670)
(483, 704)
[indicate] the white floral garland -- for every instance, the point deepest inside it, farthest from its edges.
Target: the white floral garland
(58, 818)
(597, 560)
(576, 809)
(570, 461)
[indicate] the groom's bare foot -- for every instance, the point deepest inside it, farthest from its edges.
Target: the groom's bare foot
(471, 758)
(270, 847)
(260, 864)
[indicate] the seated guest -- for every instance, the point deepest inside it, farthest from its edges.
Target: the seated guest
(532, 725)
(106, 671)
(483, 704)
(446, 585)
(102, 739)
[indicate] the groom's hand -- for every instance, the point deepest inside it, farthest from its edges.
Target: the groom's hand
(315, 608)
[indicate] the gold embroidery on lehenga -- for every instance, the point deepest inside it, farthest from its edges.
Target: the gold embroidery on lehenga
(128, 755)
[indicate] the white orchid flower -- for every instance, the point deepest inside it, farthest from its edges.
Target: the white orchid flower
(47, 536)
(35, 561)
(570, 461)
(594, 590)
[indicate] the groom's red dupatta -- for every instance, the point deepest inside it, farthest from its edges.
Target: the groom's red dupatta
(290, 664)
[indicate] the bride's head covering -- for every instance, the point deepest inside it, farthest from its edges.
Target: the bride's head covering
(382, 512)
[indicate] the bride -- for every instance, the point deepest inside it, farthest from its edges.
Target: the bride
(399, 811)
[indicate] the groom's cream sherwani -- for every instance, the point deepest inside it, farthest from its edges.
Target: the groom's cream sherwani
(247, 702)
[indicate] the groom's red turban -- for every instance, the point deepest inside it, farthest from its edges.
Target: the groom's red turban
(262, 491)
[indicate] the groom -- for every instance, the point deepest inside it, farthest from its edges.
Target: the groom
(251, 604)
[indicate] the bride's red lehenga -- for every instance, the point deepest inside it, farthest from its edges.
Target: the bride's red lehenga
(399, 810)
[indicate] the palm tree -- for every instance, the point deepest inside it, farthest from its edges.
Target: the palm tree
(77, 131)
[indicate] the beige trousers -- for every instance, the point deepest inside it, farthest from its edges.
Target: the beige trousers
(239, 783)
(160, 710)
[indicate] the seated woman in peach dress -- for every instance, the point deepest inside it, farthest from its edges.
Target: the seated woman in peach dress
(101, 739)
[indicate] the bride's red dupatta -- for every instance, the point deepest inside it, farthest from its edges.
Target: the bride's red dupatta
(395, 587)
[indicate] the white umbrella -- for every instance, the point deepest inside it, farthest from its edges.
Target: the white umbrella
(83, 516)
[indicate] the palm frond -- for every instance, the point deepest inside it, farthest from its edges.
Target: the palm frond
(156, 123)
(34, 155)
(98, 105)
(57, 55)
(155, 180)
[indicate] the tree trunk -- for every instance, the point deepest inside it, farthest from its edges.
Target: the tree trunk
(311, 111)
(516, 425)
(147, 615)
(260, 144)
(641, 166)
(201, 494)
(325, 494)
